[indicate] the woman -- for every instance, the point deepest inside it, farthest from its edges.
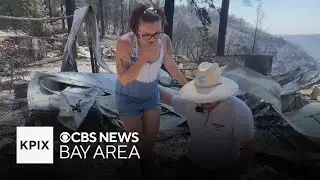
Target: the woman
(139, 57)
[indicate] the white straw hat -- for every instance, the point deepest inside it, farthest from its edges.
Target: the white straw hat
(208, 86)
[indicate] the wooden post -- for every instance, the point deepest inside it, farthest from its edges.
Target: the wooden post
(101, 8)
(63, 20)
(20, 88)
(50, 11)
(169, 12)
(223, 27)
(70, 8)
(93, 65)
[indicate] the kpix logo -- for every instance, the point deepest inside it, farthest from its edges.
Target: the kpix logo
(34, 145)
(29, 145)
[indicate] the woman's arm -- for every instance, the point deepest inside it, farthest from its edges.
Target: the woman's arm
(170, 65)
(126, 69)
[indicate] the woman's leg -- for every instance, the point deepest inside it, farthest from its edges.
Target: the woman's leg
(131, 166)
(133, 125)
(150, 129)
(150, 124)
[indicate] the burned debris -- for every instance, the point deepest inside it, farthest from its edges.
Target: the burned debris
(287, 120)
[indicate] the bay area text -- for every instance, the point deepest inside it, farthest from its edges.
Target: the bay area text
(99, 151)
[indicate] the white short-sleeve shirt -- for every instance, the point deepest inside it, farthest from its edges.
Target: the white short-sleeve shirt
(216, 135)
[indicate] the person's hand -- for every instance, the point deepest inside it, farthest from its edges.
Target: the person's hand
(149, 53)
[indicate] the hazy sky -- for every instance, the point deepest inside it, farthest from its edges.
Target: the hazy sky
(283, 16)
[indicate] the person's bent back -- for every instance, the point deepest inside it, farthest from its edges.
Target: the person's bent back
(219, 122)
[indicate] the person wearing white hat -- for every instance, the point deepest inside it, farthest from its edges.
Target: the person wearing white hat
(220, 124)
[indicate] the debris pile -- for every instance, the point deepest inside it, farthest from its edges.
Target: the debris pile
(13, 113)
(12, 55)
(188, 66)
(316, 93)
(109, 53)
(18, 51)
(275, 136)
(76, 101)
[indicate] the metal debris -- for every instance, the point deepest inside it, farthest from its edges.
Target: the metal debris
(298, 79)
(255, 83)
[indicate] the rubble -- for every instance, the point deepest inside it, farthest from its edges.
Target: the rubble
(316, 92)
(109, 53)
(306, 121)
(255, 83)
(273, 132)
(76, 101)
(296, 80)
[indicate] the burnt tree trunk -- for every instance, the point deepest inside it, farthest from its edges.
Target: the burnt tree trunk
(50, 11)
(223, 27)
(169, 12)
(101, 8)
(70, 8)
(63, 20)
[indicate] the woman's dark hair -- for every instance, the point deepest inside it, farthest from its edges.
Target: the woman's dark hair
(147, 12)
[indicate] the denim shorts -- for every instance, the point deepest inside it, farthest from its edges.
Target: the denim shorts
(136, 98)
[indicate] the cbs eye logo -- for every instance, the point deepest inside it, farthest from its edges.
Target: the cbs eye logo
(65, 137)
(78, 137)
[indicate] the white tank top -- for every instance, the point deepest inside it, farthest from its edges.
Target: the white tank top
(149, 71)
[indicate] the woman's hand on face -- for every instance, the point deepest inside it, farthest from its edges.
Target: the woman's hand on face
(149, 53)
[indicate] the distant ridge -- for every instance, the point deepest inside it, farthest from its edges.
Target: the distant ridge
(309, 42)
